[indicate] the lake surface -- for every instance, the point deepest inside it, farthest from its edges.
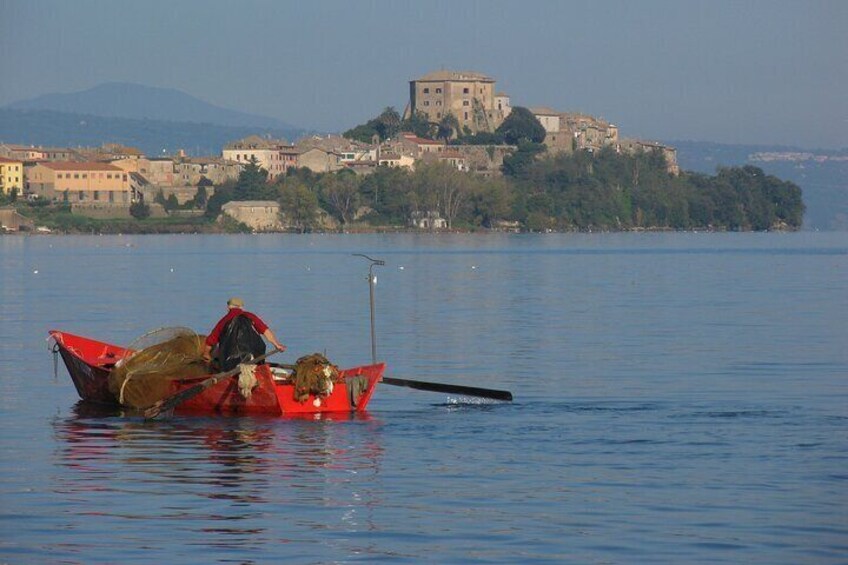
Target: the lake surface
(679, 398)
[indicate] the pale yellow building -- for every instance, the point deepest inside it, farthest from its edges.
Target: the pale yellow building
(275, 156)
(548, 118)
(469, 96)
(397, 161)
(11, 176)
(79, 182)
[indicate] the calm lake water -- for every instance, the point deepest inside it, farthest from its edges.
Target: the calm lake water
(679, 398)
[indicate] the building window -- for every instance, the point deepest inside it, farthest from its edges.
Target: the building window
(438, 91)
(438, 102)
(426, 91)
(76, 175)
(438, 114)
(465, 91)
(465, 102)
(81, 196)
(111, 196)
(97, 195)
(466, 115)
(426, 102)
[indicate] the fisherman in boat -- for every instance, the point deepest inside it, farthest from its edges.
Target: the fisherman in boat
(238, 337)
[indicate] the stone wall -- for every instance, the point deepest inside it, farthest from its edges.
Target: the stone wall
(11, 220)
(101, 211)
(183, 193)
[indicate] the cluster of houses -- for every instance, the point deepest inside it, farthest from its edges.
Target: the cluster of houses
(105, 181)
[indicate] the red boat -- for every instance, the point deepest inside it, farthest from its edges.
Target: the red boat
(89, 363)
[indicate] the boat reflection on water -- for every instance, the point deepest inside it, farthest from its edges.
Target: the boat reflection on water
(220, 480)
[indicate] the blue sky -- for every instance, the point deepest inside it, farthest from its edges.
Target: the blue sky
(733, 72)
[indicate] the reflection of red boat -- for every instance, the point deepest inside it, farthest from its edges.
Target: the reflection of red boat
(89, 363)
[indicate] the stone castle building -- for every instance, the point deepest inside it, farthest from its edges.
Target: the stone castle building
(469, 96)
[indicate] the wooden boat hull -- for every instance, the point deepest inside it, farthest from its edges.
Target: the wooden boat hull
(89, 363)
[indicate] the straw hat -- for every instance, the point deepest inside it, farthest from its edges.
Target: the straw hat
(235, 302)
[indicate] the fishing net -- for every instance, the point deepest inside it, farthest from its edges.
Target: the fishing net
(153, 362)
(314, 374)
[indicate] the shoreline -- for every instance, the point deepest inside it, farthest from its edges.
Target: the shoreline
(403, 231)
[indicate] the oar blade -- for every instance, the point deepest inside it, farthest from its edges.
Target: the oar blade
(503, 395)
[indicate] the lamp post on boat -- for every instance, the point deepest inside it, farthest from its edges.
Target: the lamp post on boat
(371, 282)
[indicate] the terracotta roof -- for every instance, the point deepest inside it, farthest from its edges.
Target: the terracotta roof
(454, 75)
(4, 160)
(78, 166)
(24, 148)
(420, 140)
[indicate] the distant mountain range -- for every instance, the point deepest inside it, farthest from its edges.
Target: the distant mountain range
(152, 119)
(127, 100)
(153, 137)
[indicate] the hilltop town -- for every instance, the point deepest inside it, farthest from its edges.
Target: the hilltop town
(456, 128)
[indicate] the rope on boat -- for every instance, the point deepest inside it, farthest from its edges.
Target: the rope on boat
(55, 350)
(123, 386)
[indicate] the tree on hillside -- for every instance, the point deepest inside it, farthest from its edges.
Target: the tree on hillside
(363, 132)
(490, 200)
(521, 125)
(444, 187)
(252, 183)
(386, 125)
(418, 124)
(341, 192)
(298, 205)
(448, 127)
(201, 197)
(519, 163)
(223, 194)
(387, 190)
(139, 210)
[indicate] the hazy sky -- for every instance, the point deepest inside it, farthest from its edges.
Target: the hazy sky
(734, 72)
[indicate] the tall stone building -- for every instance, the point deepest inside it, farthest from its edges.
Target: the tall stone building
(469, 96)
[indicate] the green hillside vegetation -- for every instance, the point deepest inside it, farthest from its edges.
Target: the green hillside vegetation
(580, 191)
(583, 191)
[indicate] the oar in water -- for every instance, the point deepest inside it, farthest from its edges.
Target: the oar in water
(504, 395)
(186, 394)
(451, 389)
